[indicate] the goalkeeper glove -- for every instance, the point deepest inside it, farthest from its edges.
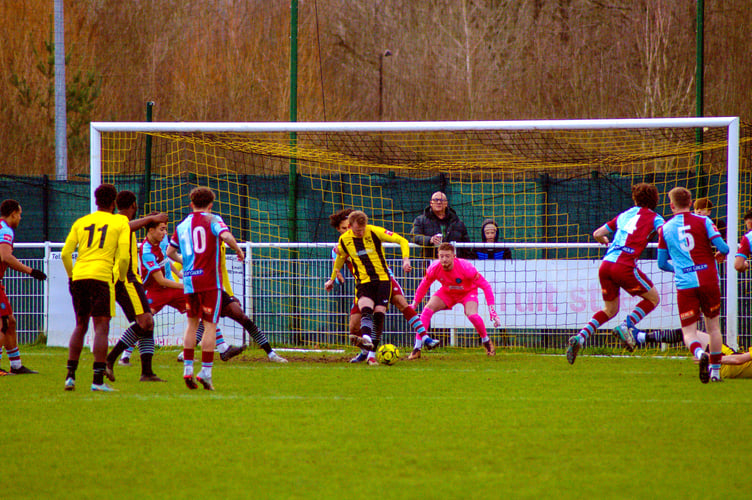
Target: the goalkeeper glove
(494, 316)
(38, 274)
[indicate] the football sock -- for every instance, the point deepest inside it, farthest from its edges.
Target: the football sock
(595, 322)
(72, 366)
(127, 353)
(147, 353)
(128, 338)
(479, 325)
(484, 339)
(715, 364)
(221, 344)
(14, 356)
(199, 333)
(696, 349)
(665, 336)
(640, 337)
(425, 318)
(366, 322)
(413, 320)
(257, 334)
(378, 326)
(642, 309)
(98, 373)
(418, 342)
(207, 362)
(187, 362)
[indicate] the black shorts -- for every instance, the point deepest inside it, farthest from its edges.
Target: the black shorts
(131, 298)
(227, 299)
(378, 291)
(93, 298)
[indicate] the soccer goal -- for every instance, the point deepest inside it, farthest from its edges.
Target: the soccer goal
(547, 184)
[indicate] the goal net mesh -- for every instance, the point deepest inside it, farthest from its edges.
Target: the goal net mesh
(542, 187)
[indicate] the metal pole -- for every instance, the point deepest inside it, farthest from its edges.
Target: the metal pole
(702, 187)
(147, 161)
(61, 128)
(292, 219)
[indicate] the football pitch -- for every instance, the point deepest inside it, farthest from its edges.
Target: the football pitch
(455, 424)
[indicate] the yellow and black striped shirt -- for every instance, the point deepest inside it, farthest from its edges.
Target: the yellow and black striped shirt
(367, 253)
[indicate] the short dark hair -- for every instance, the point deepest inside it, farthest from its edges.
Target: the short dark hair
(8, 207)
(447, 247)
(153, 223)
(337, 217)
(748, 215)
(125, 199)
(645, 195)
(202, 197)
(105, 195)
(680, 197)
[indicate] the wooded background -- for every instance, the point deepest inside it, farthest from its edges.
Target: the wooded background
(228, 60)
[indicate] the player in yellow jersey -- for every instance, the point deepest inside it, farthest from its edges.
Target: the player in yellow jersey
(102, 240)
(733, 364)
(362, 245)
(130, 294)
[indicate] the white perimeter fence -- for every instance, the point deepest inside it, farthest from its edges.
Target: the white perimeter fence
(540, 301)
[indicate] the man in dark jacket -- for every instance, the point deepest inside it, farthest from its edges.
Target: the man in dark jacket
(439, 223)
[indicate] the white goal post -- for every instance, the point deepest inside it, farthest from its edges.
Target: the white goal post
(730, 124)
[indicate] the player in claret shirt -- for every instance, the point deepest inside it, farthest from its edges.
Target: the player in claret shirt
(198, 238)
(10, 217)
(459, 285)
(687, 240)
(631, 230)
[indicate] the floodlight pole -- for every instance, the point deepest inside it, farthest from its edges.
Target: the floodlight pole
(61, 128)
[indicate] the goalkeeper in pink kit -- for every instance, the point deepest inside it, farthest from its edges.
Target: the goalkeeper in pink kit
(459, 285)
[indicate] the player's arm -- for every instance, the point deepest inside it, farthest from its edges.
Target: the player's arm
(10, 260)
(338, 263)
(663, 255)
(480, 281)
(124, 251)
(340, 276)
(66, 254)
(231, 242)
(159, 278)
(602, 233)
(391, 237)
(158, 217)
(736, 359)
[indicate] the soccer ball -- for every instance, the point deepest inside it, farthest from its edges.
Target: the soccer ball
(387, 354)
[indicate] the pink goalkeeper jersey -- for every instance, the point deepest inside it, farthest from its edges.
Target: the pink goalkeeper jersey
(461, 280)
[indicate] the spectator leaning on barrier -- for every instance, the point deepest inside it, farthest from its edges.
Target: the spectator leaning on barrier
(489, 233)
(439, 223)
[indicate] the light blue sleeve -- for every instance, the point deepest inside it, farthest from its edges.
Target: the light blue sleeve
(663, 262)
(715, 237)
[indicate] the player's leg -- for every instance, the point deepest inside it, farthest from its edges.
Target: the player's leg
(354, 329)
(11, 346)
(2, 341)
(365, 304)
(146, 347)
(711, 308)
(471, 311)
(189, 346)
(437, 302)
(211, 305)
(638, 284)
(232, 309)
(412, 318)
(671, 336)
(99, 349)
(610, 290)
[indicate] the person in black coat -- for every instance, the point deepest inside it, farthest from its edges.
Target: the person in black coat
(439, 223)
(489, 233)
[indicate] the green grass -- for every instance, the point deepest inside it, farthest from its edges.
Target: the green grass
(452, 425)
